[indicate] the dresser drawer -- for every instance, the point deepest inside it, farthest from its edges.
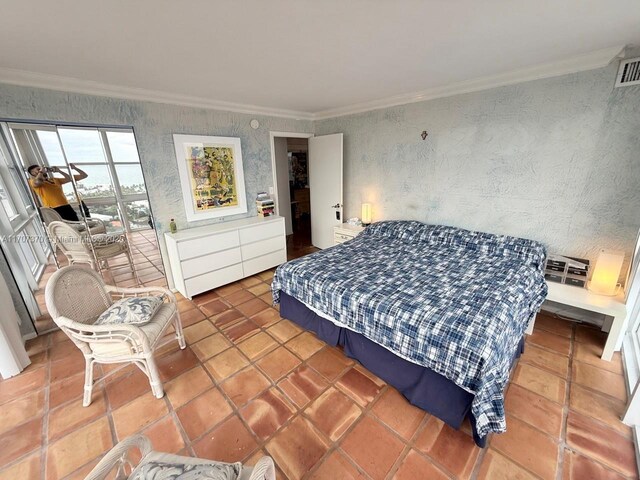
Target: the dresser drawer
(209, 244)
(208, 263)
(261, 232)
(256, 249)
(265, 262)
(214, 279)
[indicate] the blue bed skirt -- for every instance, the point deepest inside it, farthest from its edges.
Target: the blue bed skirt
(422, 386)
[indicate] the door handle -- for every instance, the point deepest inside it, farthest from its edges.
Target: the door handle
(337, 205)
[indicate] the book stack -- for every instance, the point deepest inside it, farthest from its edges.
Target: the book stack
(265, 205)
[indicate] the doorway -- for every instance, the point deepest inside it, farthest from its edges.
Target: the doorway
(323, 159)
(292, 192)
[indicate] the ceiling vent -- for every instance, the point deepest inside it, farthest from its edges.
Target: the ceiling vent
(628, 73)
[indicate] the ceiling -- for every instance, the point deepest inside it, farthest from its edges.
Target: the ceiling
(298, 57)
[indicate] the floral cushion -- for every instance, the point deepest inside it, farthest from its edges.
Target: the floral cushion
(174, 471)
(132, 311)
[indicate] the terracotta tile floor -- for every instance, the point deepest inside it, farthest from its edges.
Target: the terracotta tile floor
(251, 384)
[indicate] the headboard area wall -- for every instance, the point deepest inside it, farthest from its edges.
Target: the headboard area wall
(555, 160)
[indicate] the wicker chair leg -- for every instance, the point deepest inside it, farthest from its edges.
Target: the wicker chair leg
(88, 382)
(133, 270)
(154, 377)
(179, 333)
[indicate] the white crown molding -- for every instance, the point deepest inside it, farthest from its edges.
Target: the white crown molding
(579, 63)
(589, 61)
(89, 87)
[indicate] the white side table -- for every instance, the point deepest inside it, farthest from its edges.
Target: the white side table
(345, 232)
(583, 298)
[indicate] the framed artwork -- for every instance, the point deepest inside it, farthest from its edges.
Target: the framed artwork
(211, 176)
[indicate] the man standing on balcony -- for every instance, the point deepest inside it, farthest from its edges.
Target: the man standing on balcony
(49, 188)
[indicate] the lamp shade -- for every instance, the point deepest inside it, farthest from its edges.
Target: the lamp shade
(604, 280)
(366, 213)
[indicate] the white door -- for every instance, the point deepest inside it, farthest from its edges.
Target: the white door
(631, 358)
(631, 345)
(325, 184)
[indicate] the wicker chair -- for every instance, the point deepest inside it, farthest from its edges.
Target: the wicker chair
(96, 226)
(160, 466)
(75, 246)
(76, 297)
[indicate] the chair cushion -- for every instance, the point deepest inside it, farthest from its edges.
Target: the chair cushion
(171, 468)
(152, 330)
(133, 311)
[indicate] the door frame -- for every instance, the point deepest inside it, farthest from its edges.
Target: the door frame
(272, 137)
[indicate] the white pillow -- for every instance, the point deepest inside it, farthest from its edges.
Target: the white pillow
(132, 311)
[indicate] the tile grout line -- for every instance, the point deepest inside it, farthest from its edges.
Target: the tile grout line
(218, 385)
(562, 444)
(363, 413)
(45, 417)
(112, 430)
(409, 445)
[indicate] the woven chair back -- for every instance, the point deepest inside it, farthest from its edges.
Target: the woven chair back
(50, 215)
(78, 293)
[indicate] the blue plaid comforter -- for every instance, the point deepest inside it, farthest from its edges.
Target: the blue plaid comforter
(453, 300)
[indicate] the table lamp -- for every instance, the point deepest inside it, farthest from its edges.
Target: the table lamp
(366, 214)
(604, 280)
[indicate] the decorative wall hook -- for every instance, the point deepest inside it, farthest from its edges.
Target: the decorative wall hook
(424, 135)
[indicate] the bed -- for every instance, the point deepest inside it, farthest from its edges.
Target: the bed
(438, 312)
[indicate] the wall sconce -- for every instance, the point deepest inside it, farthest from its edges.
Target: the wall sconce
(424, 134)
(366, 214)
(604, 280)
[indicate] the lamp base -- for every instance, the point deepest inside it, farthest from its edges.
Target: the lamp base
(615, 293)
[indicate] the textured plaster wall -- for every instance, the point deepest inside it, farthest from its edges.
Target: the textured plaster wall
(557, 160)
(154, 125)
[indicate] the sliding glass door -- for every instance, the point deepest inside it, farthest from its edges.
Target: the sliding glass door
(114, 190)
(22, 236)
(130, 187)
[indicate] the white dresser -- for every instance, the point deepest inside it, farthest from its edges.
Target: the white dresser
(204, 258)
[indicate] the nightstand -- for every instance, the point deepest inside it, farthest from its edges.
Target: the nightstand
(345, 232)
(612, 307)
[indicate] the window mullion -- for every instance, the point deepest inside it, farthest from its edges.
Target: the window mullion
(116, 181)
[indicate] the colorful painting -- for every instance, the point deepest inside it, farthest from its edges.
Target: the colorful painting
(211, 176)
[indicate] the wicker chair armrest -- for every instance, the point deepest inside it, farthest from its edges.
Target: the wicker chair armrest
(118, 457)
(87, 327)
(92, 222)
(96, 222)
(135, 291)
(88, 333)
(73, 222)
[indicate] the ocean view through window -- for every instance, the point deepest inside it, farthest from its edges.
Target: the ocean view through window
(113, 190)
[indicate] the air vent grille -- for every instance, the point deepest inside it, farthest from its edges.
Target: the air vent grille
(628, 73)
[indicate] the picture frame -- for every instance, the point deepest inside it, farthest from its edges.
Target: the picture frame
(211, 176)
